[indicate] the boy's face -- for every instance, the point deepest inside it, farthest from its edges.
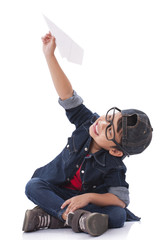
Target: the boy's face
(98, 132)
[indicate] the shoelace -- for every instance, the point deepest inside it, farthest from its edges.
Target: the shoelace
(82, 222)
(44, 221)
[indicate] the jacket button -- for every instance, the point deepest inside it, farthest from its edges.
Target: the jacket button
(94, 186)
(77, 166)
(68, 146)
(68, 179)
(86, 149)
(82, 171)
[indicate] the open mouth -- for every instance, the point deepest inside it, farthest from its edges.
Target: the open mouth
(96, 129)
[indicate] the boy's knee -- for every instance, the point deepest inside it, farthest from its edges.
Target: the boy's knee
(32, 186)
(117, 218)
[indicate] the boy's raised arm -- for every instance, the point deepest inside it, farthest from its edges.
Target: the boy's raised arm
(60, 80)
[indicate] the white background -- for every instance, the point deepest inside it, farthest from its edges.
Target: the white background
(121, 42)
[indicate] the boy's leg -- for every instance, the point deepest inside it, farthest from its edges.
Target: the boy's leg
(49, 198)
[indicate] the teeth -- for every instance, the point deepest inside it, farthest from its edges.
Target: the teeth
(97, 130)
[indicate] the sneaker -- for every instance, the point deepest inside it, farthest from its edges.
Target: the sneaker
(93, 223)
(36, 219)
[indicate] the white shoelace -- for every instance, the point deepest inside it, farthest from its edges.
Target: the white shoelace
(44, 221)
(82, 222)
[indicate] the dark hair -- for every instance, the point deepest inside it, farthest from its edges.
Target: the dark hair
(119, 125)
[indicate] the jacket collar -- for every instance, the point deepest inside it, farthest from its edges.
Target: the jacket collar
(103, 158)
(100, 157)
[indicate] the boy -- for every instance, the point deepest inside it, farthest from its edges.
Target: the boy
(84, 187)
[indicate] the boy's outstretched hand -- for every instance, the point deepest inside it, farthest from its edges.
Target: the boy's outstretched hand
(49, 44)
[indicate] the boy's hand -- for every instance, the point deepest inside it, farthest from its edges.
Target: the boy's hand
(76, 202)
(49, 45)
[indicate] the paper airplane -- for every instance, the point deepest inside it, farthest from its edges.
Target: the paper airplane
(66, 46)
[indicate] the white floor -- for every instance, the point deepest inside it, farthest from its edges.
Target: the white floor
(129, 231)
(69, 234)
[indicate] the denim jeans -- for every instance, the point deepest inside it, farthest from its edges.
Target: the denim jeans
(50, 198)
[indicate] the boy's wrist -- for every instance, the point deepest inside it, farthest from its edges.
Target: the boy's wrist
(90, 197)
(49, 56)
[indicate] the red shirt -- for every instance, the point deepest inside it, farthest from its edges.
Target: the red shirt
(76, 182)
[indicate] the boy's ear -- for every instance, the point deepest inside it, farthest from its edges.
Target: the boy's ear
(115, 152)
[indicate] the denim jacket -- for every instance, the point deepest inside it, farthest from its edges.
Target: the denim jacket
(100, 172)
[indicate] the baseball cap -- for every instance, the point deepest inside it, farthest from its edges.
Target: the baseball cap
(136, 131)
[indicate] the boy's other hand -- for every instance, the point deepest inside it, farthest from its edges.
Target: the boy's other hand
(49, 44)
(76, 202)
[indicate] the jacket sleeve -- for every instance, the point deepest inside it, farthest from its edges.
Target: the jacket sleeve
(116, 183)
(76, 111)
(121, 192)
(71, 102)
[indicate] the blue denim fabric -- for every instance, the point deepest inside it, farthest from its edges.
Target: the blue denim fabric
(99, 172)
(50, 198)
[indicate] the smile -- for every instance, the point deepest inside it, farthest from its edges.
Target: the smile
(95, 127)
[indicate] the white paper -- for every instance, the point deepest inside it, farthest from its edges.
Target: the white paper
(67, 47)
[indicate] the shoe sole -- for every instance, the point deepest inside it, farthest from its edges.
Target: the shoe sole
(27, 226)
(97, 224)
